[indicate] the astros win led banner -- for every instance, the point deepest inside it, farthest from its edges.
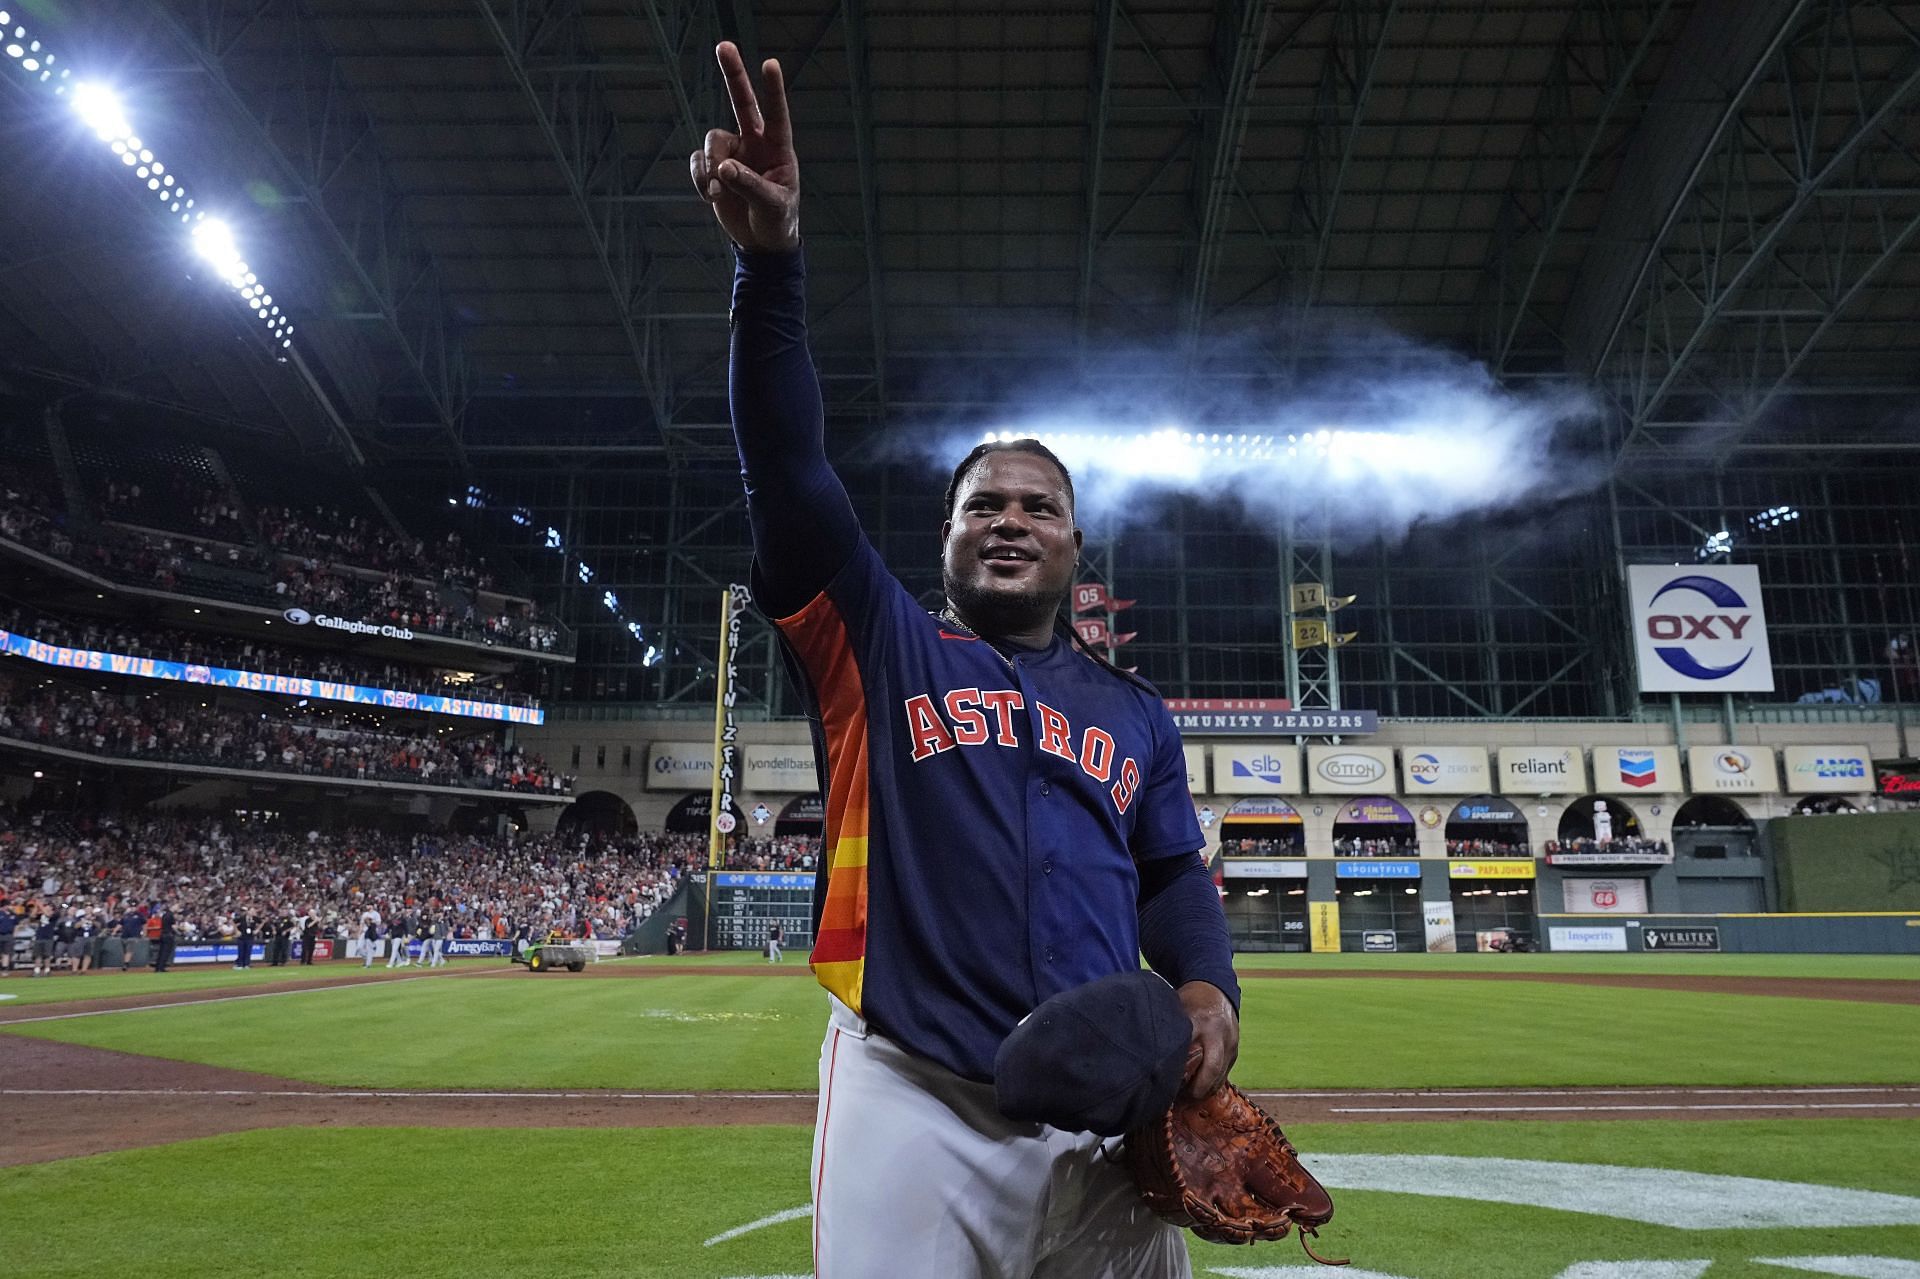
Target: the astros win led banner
(86, 659)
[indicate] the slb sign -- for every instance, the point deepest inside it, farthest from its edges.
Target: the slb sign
(1700, 628)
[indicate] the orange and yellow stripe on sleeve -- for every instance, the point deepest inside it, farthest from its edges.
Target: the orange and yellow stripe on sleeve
(819, 637)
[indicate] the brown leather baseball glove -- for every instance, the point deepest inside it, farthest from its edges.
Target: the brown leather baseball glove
(1222, 1168)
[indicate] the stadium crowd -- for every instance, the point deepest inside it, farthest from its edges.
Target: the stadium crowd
(198, 648)
(1619, 845)
(779, 852)
(446, 603)
(176, 503)
(329, 535)
(1487, 848)
(1263, 848)
(206, 879)
(1377, 846)
(167, 731)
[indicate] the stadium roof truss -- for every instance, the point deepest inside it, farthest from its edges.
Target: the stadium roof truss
(1707, 209)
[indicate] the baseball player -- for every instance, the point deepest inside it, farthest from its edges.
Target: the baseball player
(1007, 816)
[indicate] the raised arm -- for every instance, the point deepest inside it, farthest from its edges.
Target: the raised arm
(804, 528)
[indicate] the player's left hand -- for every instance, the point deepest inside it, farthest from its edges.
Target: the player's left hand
(1216, 1035)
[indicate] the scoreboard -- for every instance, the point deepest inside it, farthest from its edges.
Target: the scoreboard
(747, 903)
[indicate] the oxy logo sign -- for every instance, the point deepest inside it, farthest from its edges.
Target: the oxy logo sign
(1702, 628)
(1424, 769)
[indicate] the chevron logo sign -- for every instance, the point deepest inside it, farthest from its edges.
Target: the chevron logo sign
(1639, 769)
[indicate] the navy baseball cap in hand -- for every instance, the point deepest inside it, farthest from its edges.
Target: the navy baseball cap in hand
(1105, 1057)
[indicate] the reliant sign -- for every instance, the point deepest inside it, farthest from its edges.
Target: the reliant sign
(1832, 769)
(778, 769)
(1338, 770)
(1699, 629)
(1631, 770)
(680, 766)
(1542, 770)
(1738, 769)
(1444, 770)
(1261, 769)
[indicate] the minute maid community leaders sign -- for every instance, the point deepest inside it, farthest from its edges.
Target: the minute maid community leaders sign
(1216, 716)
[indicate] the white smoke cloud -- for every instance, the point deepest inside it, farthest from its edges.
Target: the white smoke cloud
(1397, 435)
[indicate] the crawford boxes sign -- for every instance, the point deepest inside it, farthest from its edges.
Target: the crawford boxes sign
(1542, 770)
(1699, 629)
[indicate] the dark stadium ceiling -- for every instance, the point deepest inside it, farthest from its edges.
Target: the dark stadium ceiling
(479, 209)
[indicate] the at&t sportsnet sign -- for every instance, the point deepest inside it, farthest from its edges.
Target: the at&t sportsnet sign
(1700, 629)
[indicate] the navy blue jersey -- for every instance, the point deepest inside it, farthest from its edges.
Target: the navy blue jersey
(985, 810)
(1001, 824)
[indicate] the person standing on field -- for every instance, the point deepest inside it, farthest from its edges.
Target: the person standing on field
(1007, 815)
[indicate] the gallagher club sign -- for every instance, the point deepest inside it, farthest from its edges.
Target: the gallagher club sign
(1700, 628)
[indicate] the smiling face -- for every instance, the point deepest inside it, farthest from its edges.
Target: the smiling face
(1009, 545)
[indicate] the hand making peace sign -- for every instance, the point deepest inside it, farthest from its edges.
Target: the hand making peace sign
(752, 178)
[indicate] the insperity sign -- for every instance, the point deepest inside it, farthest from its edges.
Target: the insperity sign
(1699, 628)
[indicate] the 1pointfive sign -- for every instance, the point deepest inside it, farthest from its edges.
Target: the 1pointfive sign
(1700, 629)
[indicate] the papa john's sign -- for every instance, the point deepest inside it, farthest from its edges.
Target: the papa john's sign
(1699, 629)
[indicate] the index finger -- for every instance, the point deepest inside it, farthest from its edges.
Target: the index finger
(746, 109)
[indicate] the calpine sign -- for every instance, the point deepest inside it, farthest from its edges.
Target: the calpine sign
(1700, 628)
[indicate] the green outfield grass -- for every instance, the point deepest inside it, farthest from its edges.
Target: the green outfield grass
(111, 983)
(584, 1204)
(1896, 967)
(756, 1031)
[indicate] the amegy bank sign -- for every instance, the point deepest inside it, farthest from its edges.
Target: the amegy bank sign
(1699, 628)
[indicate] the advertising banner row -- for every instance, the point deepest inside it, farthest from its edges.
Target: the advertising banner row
(1277, 768)
(1282, 769)
(86, 659)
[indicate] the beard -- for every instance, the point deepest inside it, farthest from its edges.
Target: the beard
(1002, 612)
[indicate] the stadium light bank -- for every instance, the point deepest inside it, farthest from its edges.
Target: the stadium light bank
(100, 109)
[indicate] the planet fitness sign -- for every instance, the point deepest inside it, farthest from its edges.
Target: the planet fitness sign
(1700, 629)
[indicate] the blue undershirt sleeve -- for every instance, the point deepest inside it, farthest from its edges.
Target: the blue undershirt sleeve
(1183, 930)
(804, 528)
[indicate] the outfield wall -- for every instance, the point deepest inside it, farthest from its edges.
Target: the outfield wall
(1867, 861)
(1863, 934)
